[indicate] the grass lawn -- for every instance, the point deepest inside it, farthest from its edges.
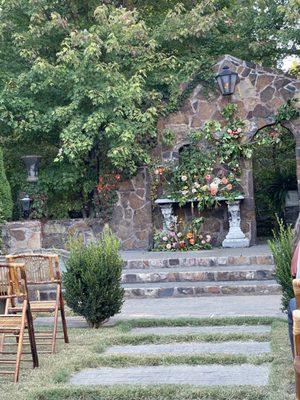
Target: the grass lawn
(50, 381)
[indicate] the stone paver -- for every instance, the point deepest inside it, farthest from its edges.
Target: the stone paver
(250, 348)
(207, 375)
(183, 330)
(198, 307)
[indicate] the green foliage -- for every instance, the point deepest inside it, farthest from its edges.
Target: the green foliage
(92, 279)
(281, 247)
(83, 82)
(6, 204)
(287, 111)
(274, 174)
(210, 166)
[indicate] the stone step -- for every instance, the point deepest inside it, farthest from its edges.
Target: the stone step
(199, 274)
(191, 259)
(197, 289)
(198, 375)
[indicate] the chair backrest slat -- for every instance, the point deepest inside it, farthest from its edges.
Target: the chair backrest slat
(13, 282)
(40, 268)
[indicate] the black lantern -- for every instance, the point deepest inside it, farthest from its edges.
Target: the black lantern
(25, 202)
(227, 80)
(32, 166)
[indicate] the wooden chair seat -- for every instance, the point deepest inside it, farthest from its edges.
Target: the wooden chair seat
(37, 306)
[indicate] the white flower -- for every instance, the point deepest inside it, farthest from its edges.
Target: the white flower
(208, 238)
(203, 241)
(179, 234)
(165, 239)
(168, 246)
(239, 130)
(194, 190)
(217, 181)
(184, 192)
(197, 185)
(184, 178)
(213, 186)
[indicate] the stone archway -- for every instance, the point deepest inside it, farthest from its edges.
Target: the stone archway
(258, 95)
(274, 178)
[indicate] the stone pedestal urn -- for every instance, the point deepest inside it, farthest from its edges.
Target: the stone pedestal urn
(235, 236)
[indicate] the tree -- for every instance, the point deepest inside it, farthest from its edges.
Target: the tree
(85, 84)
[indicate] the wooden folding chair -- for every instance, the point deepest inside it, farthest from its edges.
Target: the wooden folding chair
(13, 289)
(43, 269)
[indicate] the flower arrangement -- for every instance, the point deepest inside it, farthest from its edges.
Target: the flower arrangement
(176, 239)
(209, 169)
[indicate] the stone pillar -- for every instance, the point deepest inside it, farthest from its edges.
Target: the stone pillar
(22, 236)
(235, 237)
(167, 212)
(132, 215)
(248, 215)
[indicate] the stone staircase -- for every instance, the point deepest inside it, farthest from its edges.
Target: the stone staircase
(195, 274)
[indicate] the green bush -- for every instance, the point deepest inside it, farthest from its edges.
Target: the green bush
(92, 279)
(6, 204)
(282, 249)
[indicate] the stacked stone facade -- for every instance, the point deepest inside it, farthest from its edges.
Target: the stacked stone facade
(258, 95)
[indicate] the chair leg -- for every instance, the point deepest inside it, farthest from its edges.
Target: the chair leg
(19, 349)
(63, 317)
(54, 334)
(2, 340)
(32, 341)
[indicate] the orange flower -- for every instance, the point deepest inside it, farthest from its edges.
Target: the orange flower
(192, 241)
(189, 235)
(224, 181)
(229, 187)
(161, 170)
(213, 191)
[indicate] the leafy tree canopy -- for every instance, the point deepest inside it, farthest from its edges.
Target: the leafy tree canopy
(83, 82)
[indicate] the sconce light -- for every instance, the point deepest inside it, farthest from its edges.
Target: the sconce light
(226, 80)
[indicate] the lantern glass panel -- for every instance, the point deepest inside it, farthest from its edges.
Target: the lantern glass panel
(25, 201)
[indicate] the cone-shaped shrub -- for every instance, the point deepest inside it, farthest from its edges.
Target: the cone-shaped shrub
(281, 247)
(6, 204)
(93, 279)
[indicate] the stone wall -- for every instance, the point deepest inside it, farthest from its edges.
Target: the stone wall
(131, 221)
(258, 95)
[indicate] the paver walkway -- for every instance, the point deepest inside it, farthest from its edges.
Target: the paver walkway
(194, 307)
(207, 375)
